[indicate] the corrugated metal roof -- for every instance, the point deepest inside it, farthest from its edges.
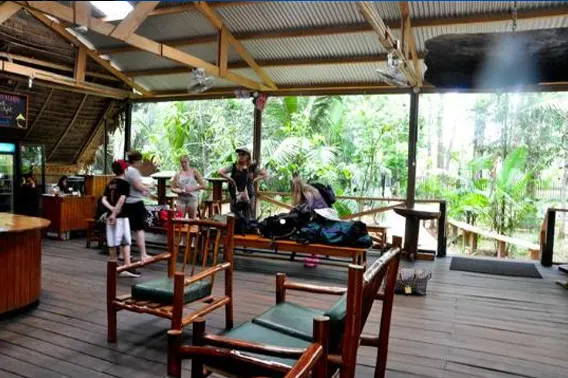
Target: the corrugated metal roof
(448, 9)
(325, 46)
(325, 74)
(176, 26)
(141, 60)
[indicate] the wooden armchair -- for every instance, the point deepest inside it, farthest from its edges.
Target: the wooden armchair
(167, 297)
(272, 343)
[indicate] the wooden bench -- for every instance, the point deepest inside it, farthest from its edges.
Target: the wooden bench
(272, 343)
(470, 234)
(379, 235)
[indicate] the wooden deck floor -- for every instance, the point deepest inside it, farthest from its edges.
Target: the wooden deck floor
(469, 325)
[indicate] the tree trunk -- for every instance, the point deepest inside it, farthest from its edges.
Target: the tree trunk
(439, 133)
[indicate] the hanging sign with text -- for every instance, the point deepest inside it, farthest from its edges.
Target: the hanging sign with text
(13, 110)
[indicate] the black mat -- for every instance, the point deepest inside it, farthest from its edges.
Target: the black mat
(497, 267)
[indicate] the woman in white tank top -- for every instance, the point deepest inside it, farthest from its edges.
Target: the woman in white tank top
(186, 184)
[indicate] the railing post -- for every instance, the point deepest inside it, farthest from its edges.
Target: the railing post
(548, 250)
(442, 232)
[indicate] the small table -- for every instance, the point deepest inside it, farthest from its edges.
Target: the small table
(413, 217)
(162, 177)
(217, 187)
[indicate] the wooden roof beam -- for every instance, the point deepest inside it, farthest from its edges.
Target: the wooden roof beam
(388, 41)
(218, 23)
(69, 126)
(80, 65)
(133, 20)
(81, 12)
(96, 89)
(358, 28)
(65, 13)
(409, 40)
(93, 54)
(7, 10)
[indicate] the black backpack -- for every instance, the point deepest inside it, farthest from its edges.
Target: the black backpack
(285, 225)
(326, 192)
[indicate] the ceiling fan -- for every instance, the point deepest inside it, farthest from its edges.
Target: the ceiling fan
(393, 75)
(199, 82)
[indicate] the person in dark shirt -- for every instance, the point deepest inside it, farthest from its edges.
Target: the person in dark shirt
(118, 225)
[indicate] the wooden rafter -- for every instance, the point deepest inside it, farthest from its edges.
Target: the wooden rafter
(61, 30)
(223, 51)
(388, 40)
(218, 23)
(374, 58)
(93, 132)
(133, 20)
(409, 40)
(40, 113)
(55, 66)
(51, 77)
(7, 10)
(65, 13)
(358, 28)
(69, 126)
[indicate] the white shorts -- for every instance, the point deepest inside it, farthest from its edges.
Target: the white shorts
(119, 233)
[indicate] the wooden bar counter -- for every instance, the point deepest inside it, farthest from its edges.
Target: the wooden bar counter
(67, 213)
(20, 261)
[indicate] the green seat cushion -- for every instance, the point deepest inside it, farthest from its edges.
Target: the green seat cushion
(256, 333)
(336, 315)
(291, 319)
(161, 290)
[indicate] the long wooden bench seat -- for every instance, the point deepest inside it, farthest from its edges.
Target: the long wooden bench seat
(470, 237)
(271, 344)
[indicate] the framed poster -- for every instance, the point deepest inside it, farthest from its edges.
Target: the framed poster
(13, 110)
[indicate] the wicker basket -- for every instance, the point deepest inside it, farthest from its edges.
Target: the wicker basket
(412, 281)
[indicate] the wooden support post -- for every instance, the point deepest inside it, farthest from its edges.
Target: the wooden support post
(128, 127)
(473, 241)
(501, 249)
(548, 250)
(80, 64)
(442, 231)
(412, 141)
(105, 148)
(229, 252)
(257, 135)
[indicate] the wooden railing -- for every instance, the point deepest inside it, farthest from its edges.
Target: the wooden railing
(471, 233)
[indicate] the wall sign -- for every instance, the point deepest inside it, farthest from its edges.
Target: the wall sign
(13, 110)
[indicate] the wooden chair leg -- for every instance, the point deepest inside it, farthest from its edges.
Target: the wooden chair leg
(174, 360)
(198, 332)
(111, 294)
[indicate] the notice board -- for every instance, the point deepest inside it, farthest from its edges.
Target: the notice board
(13, 110)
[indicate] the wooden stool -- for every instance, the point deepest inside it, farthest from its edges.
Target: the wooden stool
(92, 234)
(211, 208)
(378, 234)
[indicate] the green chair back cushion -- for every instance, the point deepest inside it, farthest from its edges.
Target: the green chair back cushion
(161, 290)
(336, 315)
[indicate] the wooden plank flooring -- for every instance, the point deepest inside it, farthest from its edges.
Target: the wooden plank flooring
(469, 325)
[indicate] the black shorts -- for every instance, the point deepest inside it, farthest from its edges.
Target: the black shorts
(136, 215)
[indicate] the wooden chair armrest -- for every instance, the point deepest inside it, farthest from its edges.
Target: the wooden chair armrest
(205, 273)
(251, 347)
(334, 290)
(140, 264)
(307, 361)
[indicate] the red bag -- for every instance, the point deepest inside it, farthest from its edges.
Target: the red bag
(163, 216)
